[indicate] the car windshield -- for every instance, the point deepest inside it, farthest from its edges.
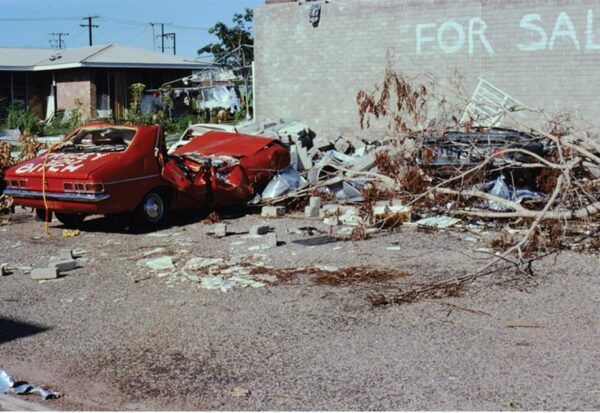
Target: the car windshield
(108, 139)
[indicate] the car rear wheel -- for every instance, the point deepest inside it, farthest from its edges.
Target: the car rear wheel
(70, 220)
(42, 215)
(152, 211)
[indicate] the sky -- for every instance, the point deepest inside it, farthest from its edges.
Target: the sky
(28, 23)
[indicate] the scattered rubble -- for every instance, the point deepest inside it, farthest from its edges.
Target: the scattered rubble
(258, 230)
(219, 230)
(49, 273)
(273, 211)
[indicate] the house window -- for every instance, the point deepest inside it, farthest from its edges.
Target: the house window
(102, 90)
(13, 87)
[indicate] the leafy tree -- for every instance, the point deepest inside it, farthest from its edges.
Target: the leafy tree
(233, 41)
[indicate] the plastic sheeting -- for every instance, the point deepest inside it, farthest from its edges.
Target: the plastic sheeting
(286, 181)
(501, 190)
(9, 385)
(216, 97)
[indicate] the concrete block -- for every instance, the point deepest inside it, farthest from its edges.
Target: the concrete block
(333, 221)
(364, 163)
(220, 230)
(330, 210)
(311, 211)
(271, 240)
(259, 229)
(63, 265)
(315, 201)
(273, 211)
(313, 153)
(322, 143)
(304, 161)
(44, 273)
(342, 145)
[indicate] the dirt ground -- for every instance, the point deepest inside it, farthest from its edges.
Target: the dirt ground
(115, 335)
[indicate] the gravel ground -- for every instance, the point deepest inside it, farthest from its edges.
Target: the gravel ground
(162, 342)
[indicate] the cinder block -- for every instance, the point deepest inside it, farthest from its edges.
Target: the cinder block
(271, 240)
(63, 265)
(259, 229)
(342, 145)
(311, 211)
(44, 273)
(315, 202)
(220, 230)
(273, 211)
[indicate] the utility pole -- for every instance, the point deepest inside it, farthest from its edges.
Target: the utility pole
(89, 25)
(162, 37)
(59, 42)
(172, 36)
(153, 37)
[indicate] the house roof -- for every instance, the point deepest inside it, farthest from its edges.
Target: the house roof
(111, 55)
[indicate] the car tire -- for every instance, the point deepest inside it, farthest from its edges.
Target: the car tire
(70, 221)
(152, 211)
(40, 215)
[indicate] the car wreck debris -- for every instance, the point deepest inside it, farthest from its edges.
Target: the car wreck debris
(90, 172)
(9, 385)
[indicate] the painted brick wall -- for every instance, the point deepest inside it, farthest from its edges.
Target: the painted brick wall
(544, 53)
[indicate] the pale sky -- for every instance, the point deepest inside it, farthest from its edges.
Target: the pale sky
(28, 23)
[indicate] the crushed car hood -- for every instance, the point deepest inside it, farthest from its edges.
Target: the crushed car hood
(65, 165)
(225, 143)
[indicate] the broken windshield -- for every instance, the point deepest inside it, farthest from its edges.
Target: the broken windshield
(108, 139)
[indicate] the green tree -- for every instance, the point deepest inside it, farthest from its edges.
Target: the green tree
(234, 41)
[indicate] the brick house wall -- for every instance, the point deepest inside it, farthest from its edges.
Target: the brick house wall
(75, 84)
(543, 53)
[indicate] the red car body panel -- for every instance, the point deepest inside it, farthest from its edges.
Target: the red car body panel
(195, 176)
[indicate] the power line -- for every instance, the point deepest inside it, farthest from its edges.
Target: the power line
(90, 26)
(34, 19)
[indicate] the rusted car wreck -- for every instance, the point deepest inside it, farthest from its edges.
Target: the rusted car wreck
(102, 168)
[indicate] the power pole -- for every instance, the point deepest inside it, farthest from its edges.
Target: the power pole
(59, 42)
(89, 25)
(172, 36)
(162, 36)
(153, 37)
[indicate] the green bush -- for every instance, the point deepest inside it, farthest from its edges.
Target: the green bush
(20, 118)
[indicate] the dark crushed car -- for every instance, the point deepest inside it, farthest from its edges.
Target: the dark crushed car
(460, 150)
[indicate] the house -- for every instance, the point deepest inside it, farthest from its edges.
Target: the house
(98, 76)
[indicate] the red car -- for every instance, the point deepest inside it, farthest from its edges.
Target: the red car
(102, 168)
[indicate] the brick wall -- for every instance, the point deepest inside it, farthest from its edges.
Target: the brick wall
(75, 84)
(543, 53)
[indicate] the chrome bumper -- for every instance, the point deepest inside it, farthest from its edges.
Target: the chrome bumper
(56, 196)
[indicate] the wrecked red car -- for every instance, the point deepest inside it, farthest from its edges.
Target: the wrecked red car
(103, 168)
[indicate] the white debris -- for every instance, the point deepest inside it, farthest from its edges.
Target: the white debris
(158, 264)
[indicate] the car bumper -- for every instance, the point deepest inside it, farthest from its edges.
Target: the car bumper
(56, 196)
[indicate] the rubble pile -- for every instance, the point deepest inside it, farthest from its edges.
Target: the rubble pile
(489, 177)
